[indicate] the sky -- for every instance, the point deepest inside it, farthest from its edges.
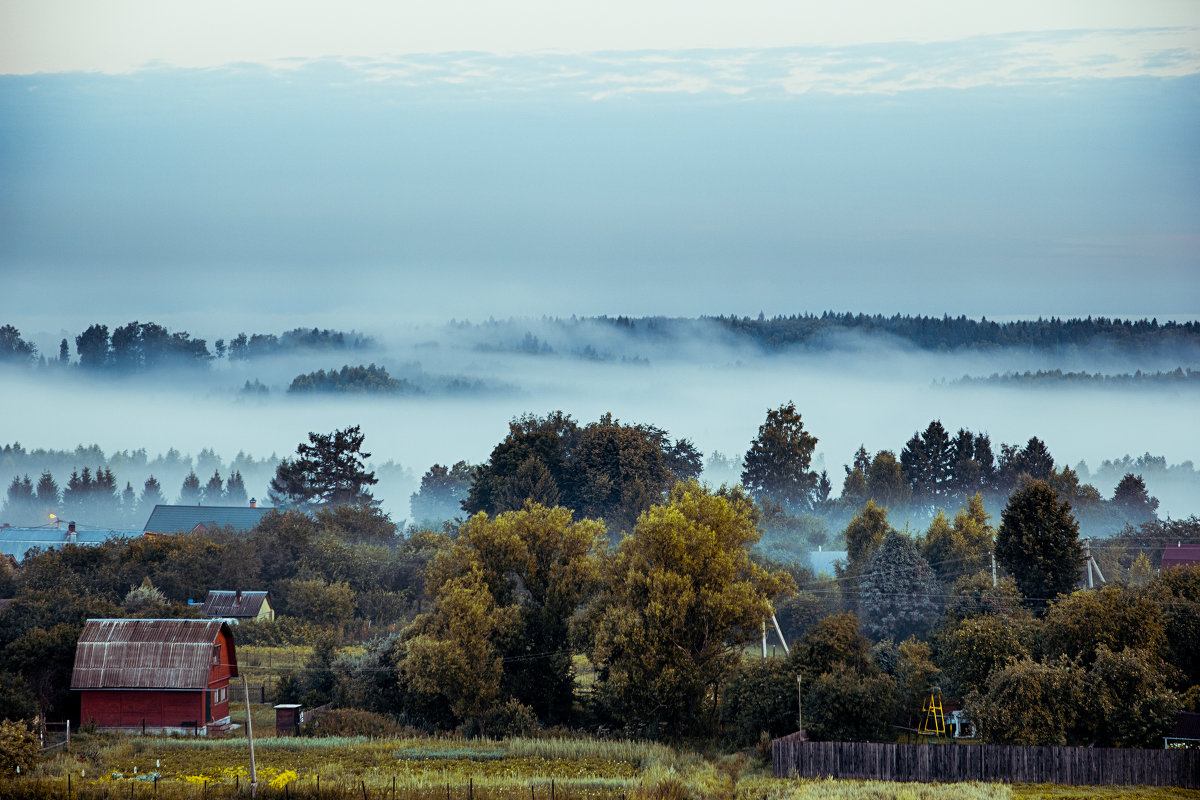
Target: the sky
(227, 166)
(306, 162)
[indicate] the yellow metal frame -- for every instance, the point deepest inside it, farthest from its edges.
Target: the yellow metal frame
(934, 723)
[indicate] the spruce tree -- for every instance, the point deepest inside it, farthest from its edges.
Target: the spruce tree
(1038, 542)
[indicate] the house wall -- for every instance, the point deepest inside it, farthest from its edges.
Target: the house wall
(133, 708)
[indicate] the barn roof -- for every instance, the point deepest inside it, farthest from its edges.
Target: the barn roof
(230, 603)
(147, 653)
(182, 519)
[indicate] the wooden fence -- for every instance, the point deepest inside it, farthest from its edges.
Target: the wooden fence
(262, 693)
(949, 763)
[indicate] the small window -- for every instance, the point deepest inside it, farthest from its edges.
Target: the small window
(216, 654)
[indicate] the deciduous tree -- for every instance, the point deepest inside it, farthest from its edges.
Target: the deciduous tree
(442, 492)
(683, 597)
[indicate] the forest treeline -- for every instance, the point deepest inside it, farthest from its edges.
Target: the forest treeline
(144, 346)
(1054, 378)
(550, 458)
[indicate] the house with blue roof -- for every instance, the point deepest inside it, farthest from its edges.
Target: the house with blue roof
(17, 542)
(186, 519)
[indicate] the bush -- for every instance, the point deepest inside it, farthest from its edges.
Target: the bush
(280, 632)
(18, 747)
(759, 699)
(350, 722)
(514, 718)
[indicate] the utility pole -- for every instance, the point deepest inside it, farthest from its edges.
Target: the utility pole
(993, 570)
(250, 738)
(1087, 551)
(800, 703)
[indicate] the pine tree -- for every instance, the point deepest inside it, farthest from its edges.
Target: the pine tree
(190, 492)
(776, 466)
(21, 505)
(151, 496)
(235, 490)
(1038, 542)
(48, 498)
(214, 490)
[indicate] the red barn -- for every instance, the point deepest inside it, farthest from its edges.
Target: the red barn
(163, 675)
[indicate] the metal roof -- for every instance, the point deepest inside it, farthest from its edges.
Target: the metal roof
(1180, 555)
(181, 519)
(16, 542)
(147, 653)
(227, 603)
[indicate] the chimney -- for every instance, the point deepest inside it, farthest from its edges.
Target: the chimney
(253, 503)
(71, 535)
(237, 597)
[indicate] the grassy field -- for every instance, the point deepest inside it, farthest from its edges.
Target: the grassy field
(117, 767)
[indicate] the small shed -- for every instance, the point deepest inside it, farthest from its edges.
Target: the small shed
(239, 605)
(160, 675)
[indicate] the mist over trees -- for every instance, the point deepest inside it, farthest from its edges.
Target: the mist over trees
(482, 620)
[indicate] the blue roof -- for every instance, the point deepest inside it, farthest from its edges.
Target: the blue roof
(16, 542)
(182, 519)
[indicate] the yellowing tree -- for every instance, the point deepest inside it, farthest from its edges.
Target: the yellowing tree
(683, 598)
(536, 566)
(456, 651)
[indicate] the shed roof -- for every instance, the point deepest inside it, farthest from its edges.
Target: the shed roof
(17, 542)
(181, 519)
(1181, 555)
(147, 653)
(230, 603)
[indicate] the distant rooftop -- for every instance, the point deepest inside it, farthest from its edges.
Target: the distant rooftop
(182, 519)
(1181, 555)
(232, 603)
(16, 542)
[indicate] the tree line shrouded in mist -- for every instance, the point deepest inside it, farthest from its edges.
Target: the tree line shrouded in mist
(483, 621)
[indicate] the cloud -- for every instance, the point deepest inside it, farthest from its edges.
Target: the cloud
(888, 69)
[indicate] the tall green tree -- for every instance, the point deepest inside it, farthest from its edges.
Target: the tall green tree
(777, 465)
(548, 439)
(190, 493)
(214, 490)
(962, 548)
(235, 489)
(456, 650)
(682, 598)
(865, 533)
(14, 349)
(1132, 501)
(442, 492)
(927, 463)
(92, 346)
(329, 470)
(48, 497)
(543, 565)
(1038, 542)
(20, 504)
(898, 592)
(151, 496)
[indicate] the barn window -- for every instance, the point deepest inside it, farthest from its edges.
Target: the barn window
(216, 654)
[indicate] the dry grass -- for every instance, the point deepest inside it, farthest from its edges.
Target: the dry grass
(429, 768)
